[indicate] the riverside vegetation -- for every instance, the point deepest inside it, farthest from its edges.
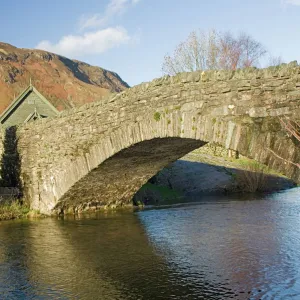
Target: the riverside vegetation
(14, 209)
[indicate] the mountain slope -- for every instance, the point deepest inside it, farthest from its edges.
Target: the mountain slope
(64, 82)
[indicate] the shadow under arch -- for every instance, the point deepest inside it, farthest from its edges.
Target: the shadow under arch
(117, 179)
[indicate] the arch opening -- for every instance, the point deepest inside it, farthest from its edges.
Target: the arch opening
(117, 179)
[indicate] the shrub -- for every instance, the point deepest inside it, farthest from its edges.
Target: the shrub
(12, 210)
(253, 178)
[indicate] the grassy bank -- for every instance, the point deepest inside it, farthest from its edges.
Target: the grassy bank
(209, 171)
(13, 209)
(151, 194)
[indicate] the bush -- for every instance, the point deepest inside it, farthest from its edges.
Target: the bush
(253, 178)
(12, 210)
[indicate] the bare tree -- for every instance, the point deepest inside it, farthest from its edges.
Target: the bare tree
(251, 50)
(213, 50)
(275, 61)
(197, 52)
(292, 128)
(229, 53)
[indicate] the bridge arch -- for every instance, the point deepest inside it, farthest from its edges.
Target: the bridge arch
(62, 158)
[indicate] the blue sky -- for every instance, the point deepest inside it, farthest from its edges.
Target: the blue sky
(131, 37)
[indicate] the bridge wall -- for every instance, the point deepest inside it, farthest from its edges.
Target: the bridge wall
(238, 110)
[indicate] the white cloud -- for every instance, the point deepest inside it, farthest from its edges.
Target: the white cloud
(95, 42)
(291, 2)
(114, 8)
(94, 38)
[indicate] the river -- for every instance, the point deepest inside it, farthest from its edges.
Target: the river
(208, 249)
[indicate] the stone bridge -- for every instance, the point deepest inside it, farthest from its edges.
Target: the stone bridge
(103, 152)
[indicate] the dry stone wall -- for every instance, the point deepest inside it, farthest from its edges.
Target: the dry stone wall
(80, 158)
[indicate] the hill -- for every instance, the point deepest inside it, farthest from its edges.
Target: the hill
(64, 82)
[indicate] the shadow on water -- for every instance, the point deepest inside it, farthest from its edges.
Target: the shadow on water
(10, 164)
(109, 257)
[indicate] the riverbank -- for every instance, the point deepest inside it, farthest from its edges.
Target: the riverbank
(209, 171)
(13, 209)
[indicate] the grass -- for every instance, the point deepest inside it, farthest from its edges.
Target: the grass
(248, 175)
(155, 194)
(13, 209)
(157, 116)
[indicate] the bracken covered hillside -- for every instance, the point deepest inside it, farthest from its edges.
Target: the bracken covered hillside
(64, 82)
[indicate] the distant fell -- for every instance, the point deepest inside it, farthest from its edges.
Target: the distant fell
(66, 83)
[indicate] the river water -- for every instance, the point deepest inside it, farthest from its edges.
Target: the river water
(210, 249)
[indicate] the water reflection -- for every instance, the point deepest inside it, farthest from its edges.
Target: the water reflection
(214, 249)
(108, 257)
(251, 247)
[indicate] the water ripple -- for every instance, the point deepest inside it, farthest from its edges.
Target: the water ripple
(213, 249)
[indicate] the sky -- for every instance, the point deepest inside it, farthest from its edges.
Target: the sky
(131, 37)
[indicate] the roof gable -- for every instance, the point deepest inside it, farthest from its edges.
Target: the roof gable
(18, 100)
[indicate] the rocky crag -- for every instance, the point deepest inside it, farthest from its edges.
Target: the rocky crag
(66, 83)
